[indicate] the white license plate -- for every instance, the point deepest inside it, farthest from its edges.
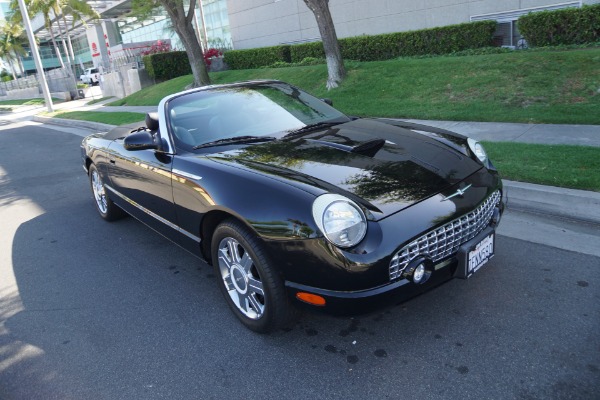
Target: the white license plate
(480, 254)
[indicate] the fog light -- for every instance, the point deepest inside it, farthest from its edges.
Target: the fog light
(419, 273)
(419, 270)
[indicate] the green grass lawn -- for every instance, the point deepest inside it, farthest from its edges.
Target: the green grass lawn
(22, 102)
(91, 102)
(10, 105)
(111, 118)
(576, 167)
(537, 87)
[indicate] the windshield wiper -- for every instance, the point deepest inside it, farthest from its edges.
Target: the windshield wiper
(235, 139)
(311, 127)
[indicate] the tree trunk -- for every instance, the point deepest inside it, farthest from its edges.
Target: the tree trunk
(19, 64)
(184, 29)
(60, 60)
(12, 68)
(194, 53)
(335, 64)
(69, 68)
(72, 54)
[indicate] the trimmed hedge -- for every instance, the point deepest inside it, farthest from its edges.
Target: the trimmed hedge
(256, 58)
(443, 40)
(165, 66)
(561, 27)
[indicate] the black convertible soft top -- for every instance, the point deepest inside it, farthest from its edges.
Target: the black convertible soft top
(150, 122)
(124, 130)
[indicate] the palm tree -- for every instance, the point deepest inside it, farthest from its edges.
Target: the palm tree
(79, 10)
(42, 7)
(11, 44)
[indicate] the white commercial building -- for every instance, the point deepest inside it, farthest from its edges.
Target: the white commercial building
(259, 23)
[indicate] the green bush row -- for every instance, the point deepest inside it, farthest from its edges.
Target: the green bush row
(443, 40)
(165, 66)
(561, 27)
(256, 58)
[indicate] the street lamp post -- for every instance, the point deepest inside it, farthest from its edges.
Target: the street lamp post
(36, 56)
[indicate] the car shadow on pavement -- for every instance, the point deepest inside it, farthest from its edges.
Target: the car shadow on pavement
(113, 310)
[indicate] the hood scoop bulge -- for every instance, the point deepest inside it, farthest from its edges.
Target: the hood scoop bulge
(368, 148)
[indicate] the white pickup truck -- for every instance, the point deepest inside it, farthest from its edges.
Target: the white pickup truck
(91, 76)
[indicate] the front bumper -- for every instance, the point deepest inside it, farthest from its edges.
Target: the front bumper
(362, 301)
(371, 275)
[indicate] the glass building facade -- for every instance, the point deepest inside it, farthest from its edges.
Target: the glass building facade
(212, 24)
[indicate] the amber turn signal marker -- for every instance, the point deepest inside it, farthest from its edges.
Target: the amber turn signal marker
(311, 298)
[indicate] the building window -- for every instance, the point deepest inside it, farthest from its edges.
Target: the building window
(507, 34)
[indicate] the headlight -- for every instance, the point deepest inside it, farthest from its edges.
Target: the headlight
(478, 150)
(342, 221)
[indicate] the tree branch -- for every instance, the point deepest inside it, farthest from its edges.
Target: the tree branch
(191, 14)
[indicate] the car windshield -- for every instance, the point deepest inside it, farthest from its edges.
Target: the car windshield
(257, 110)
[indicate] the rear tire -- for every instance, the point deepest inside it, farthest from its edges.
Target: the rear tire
(250, 284)
(108, 210)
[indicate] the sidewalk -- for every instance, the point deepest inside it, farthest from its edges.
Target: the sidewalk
(582, 135)
(577, 205)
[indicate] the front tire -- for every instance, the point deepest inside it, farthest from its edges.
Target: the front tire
(251, 286)
(108, 210)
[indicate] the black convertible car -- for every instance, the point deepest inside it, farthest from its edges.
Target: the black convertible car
(293, 202)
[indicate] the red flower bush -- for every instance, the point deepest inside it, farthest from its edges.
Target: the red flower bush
(210, 53)
(158, 47)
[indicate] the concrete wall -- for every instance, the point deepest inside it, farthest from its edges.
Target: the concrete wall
(61, 84)
(258, 23)
(124, 81)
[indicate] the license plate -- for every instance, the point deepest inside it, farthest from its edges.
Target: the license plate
(481, 254)
(474, 254)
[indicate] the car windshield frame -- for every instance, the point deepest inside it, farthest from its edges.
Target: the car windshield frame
(260, 109)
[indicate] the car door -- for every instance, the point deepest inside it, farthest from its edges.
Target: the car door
(141, 181)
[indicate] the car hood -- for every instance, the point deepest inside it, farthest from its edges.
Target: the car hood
(385, 165)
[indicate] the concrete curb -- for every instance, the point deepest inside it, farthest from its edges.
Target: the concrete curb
(73, 123)
(577, 205)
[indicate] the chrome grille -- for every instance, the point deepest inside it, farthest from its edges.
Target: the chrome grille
(445, 240)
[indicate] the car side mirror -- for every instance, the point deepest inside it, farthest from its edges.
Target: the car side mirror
(327, 101)
(142, 140)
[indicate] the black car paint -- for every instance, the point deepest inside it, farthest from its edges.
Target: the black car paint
(271, 186)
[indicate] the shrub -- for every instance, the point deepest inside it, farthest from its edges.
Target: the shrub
(209, 54)
(299, 52)
(444, 40)
(165, 66)
(256, 58)
(158, 47)
(306, 61)
(561, 27)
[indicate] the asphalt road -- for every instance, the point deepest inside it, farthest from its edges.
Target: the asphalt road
(94, 310)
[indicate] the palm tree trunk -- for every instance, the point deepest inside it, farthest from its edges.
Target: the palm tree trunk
(62, 64)
(68, 38)
(19, 64)
(12, 67)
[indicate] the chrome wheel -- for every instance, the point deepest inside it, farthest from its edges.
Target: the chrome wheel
(99, 193)
(241, 278)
